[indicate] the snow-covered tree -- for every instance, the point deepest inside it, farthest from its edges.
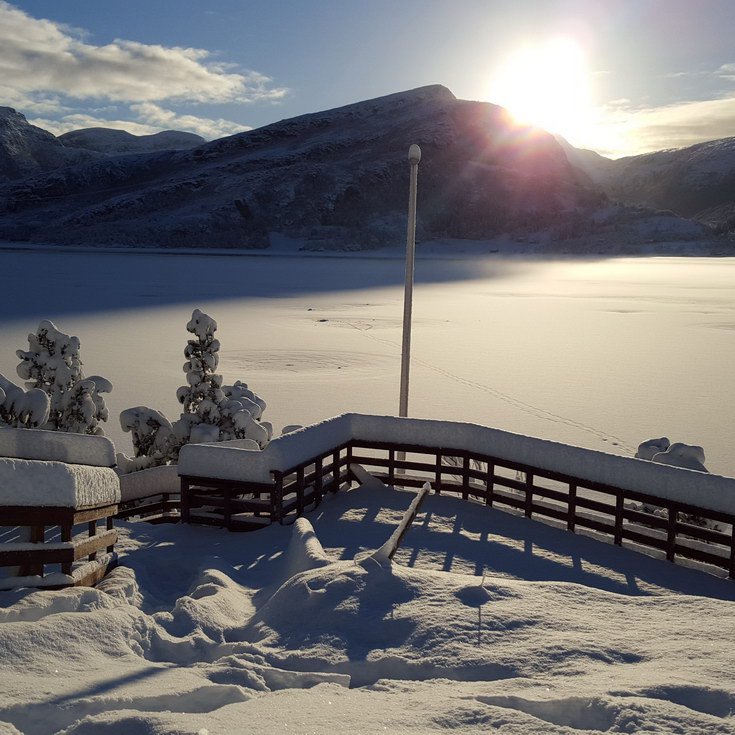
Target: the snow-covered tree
(212, 411)
(52, 364)
(20, 408)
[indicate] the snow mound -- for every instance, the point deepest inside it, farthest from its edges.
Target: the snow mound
(35, 483)
(687, 456)
(59, 446)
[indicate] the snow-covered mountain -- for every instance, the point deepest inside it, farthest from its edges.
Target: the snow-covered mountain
(339, 176)
(26, 150)
(696, 182)
(339, 179)
(111, 142)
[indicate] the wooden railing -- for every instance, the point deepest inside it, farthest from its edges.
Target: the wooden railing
(644, 521)
(65, 540)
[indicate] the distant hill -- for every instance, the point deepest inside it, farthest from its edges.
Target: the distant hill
(339, 179)
(111, 142)
(697, 182)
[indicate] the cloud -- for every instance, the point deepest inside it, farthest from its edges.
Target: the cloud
(78, 121)
(39, 56)
(633, 131)
(206, 127)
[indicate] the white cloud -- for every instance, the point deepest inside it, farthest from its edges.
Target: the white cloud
(632, 131)
(157, 116)
(78, 121)
(40, 56)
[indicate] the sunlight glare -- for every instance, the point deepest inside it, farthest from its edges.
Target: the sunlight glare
(546, 85)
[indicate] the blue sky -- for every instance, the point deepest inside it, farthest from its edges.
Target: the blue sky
(641, 74)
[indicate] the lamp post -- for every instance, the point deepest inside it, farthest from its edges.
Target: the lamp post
(414, 156)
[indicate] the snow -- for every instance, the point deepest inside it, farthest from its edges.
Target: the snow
(96, 451)
(484, 621)
(287, 451)
(150, 481)
(37, 483)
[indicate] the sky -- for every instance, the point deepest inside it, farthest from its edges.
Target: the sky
(618, 76)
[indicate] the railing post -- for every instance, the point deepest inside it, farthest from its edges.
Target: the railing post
(110, 524)
(92, 526)
(300, 491)
(732, 552)
(391, 466)
(438, 472)
(619, 505)
(529, 495)
(671, 535)
(466, 477)
(490, 483)
(277, 498)
(318, 480)
(572, 507)
(66, 537)
(184, 500)
(335, 470)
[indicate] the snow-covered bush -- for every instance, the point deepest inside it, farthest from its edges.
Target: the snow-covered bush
(52, 365)
(22, 409)
(212, 411)
(678, 454)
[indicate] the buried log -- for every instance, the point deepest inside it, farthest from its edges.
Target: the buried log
(387, 551)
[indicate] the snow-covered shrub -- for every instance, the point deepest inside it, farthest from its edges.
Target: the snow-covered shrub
(52, 364)
(678, 454)
(212, 411)
(22, 409)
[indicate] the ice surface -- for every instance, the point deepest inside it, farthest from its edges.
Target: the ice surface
(97, 451)
(36, 483)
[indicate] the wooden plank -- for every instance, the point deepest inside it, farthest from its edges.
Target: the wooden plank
(618, 538)
(318, 480)
(671, 535)
(90, 546)
(465, 476)
(732, 553)
(528, 510)
(490, 483)
(572, 507)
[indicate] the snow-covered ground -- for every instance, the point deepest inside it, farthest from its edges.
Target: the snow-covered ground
(289, 630)
(598, 353)
(486, 620)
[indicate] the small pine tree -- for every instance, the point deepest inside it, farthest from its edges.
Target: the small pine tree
(52, 364)
(211, 411)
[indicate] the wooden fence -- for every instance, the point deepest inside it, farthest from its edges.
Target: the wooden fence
(60, 538)
(646, 522)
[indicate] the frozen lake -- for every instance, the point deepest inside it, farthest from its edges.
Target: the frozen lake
(597, 353)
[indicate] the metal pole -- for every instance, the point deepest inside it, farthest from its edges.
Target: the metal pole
(414, 156)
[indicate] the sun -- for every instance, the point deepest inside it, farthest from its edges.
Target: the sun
(546, 85)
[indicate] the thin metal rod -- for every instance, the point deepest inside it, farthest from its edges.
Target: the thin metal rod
(414, 156)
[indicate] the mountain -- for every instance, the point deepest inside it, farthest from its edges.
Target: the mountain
(339, 179)
(26, 150)
(697, 182)
(111, 142)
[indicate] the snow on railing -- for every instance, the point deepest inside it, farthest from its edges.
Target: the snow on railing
(713, 492)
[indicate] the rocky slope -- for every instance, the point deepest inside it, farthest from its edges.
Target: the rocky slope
(26, 150)
(696, 182)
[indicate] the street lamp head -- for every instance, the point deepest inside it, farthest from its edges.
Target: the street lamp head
(414, 154)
